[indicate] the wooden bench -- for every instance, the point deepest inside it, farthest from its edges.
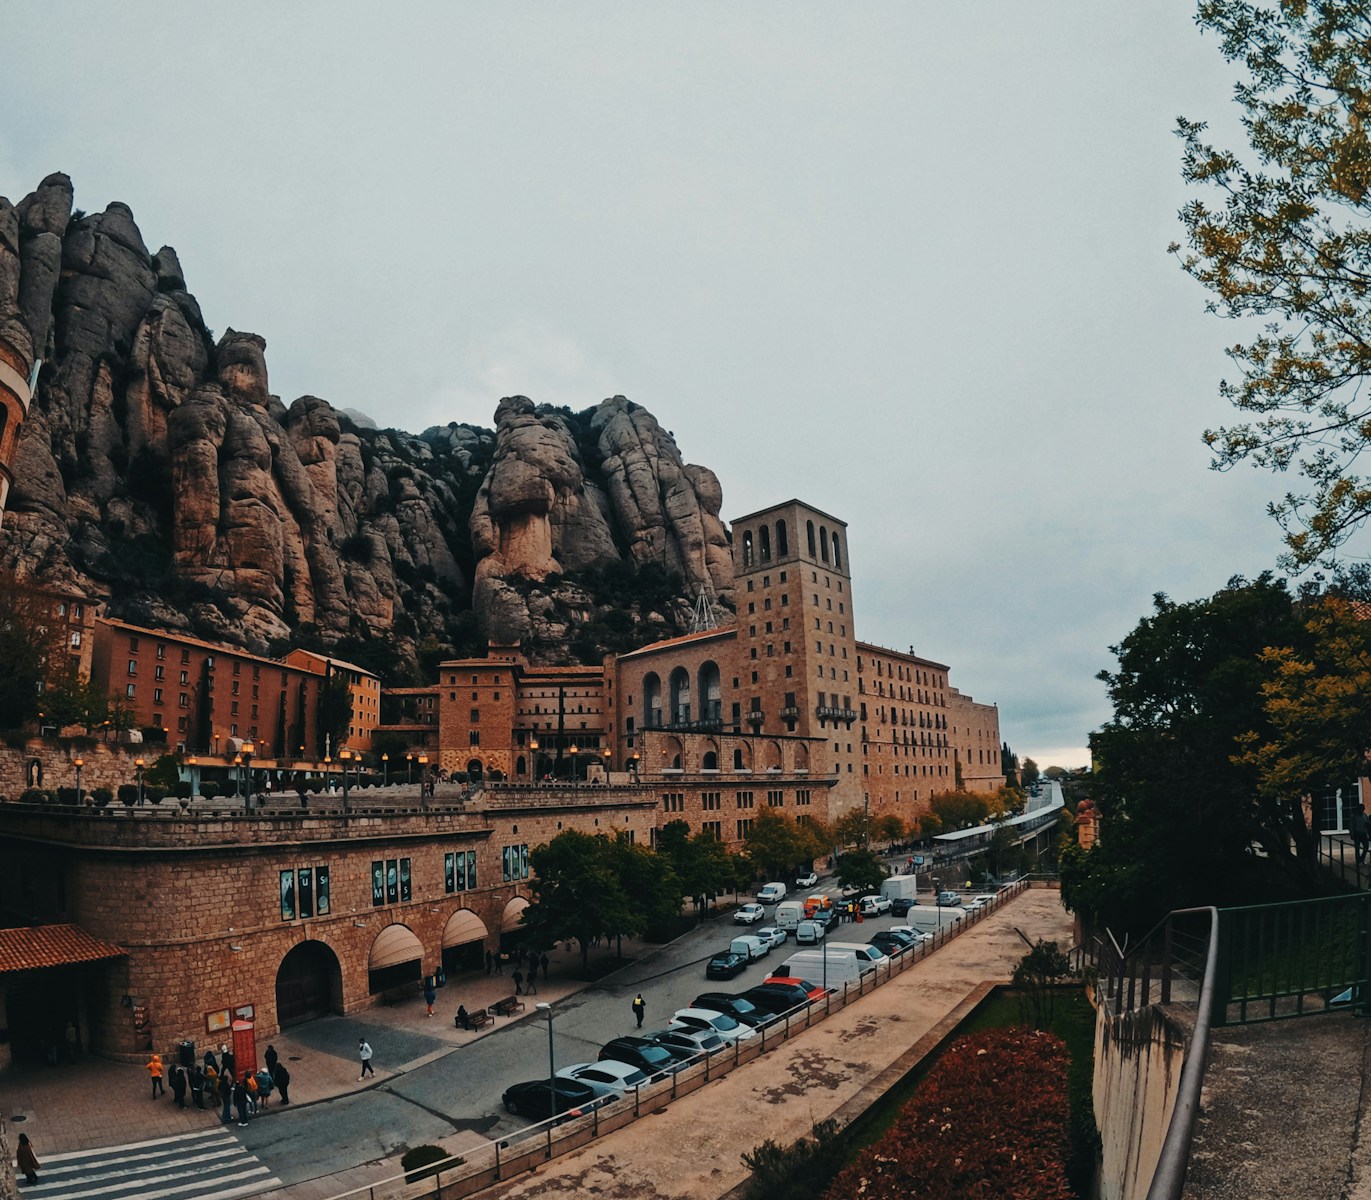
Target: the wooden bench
(476, 1019)
(508, 1006)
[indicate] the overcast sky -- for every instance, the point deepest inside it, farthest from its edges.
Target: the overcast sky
(906, 261)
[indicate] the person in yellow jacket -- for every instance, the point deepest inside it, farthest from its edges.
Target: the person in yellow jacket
(155, 1072)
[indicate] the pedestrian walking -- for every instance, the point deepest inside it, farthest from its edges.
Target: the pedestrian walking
(28, 1160)
(264, 1087)
(155, 1074)
(240, 1102)
(72, 1040)
(226, 1097)
(531, 983)
(197, 1085)
(211, 1063)
(430, 995)
(518, 982)
(500, 964)
(271, 1058)
(639, 1008)
(364, 1053)
(281, 1078)
(227, 1063)
(1361, 832)
(250, 1082)
(490, 962)
(178, 1086)
(543, 962)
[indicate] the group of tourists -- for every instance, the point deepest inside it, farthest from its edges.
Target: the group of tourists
(218, 1080)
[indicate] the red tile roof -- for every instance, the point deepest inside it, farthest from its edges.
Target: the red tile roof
(51, 946)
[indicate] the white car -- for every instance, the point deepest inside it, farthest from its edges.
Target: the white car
(607, 1077)
(806, 881)
(809, 933)
(729, 1029)
(772, 935)
(749, 914)
(874, 906)
(982, 900)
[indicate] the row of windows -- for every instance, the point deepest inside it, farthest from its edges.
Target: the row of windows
(514, 862)
(766, 583)
(304, 893)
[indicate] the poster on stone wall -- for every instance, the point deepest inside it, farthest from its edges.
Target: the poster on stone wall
(321, 898)
(471, 870)
(305, 892)
(405, 894)
(287, 895)
(378, 884)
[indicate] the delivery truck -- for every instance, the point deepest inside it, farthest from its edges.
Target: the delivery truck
(900, 887)
(789, 914)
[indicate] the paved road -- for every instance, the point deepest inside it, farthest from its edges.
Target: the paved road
(460, 1091)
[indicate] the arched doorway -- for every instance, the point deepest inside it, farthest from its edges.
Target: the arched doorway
(464, 938)
(474, 770)
(397, 957)
(309, 984)
(512, 931)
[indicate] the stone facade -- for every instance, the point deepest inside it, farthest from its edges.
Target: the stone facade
(196, 899)
(974, 733)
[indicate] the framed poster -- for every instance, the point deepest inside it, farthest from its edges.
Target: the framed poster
(471, 870)
(449, 873)
(305, 892)
(378, 883)
(287, 895)
(217, 1022)
(244, 1012)
(405, 893)
(321, 905)
(392, 881)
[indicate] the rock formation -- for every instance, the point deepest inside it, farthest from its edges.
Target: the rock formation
(157, 469)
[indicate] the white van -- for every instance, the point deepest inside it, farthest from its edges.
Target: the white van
(837, 966)
(753, 947)
(933, 919)
(810, 933)
(771, 893)
(789, 914)
(867, 954)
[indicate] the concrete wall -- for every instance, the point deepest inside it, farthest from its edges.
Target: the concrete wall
(1138, 1060)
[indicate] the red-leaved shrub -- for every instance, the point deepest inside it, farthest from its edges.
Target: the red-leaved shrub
(990, 1120)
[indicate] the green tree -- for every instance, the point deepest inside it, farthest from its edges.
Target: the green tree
(854, 828)
(335, 711)
(165, 772)
(860, 869)
(1028, 774)
(1009, 765)
(577, 893)
(1285, 240)
(1037, 976)
(773, 844)
(651, 885)
(1178, 810)
(30, 644)
(888, 829)
(960, 810)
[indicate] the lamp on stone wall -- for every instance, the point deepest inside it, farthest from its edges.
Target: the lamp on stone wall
(138, 765)
(385, 770)
(78, 763)
(533, 759)
(572, 750)
(248, 751)
(604, 754)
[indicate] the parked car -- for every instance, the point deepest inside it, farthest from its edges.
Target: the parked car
(892, 943)
(726, 964)
(753, 947)
(807, 933)
(776, 997)
(772, 935)
(827, 917)
(900, 906)
(771, 893)
(813, 991)
(749, 914)
(543, 1098)
(982, 899)
(806, 881)
(656, 1061)
(693, 1042)
(738, 1007)
(874, 906)
(608, 1078)
(949, 900)
(729, 1029)
(919, 935)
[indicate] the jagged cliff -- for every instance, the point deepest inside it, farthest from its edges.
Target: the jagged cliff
(157, 469)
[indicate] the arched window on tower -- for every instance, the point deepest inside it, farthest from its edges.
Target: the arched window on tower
(782, 547)
(837, 556)
(680, 696)
(652, 701)
(823, 543)
(764, 536)
(809, 528)
(711, 697)
(747, 548)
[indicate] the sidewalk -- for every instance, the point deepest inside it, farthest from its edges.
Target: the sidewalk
(95, 1103)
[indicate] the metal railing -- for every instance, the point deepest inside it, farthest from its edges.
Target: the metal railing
(482, 1166)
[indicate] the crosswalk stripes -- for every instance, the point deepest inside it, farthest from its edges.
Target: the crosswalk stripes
(211, 1165)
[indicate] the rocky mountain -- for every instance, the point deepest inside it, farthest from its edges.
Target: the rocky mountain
(156, 469)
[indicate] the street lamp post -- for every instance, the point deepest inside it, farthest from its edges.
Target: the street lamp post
(604, 754)
(248, 750)
(533, 760)
(194, 764)
(78, 763)
(345, 759)
(634, 761)
(385, 770)
(138, 765)
(328, 762)
(546, 1009)
(423, 781)
(409, 768)
(572, 750)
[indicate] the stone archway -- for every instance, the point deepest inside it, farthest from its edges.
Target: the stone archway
(396, 957)
(464, 939)
(309, 984)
